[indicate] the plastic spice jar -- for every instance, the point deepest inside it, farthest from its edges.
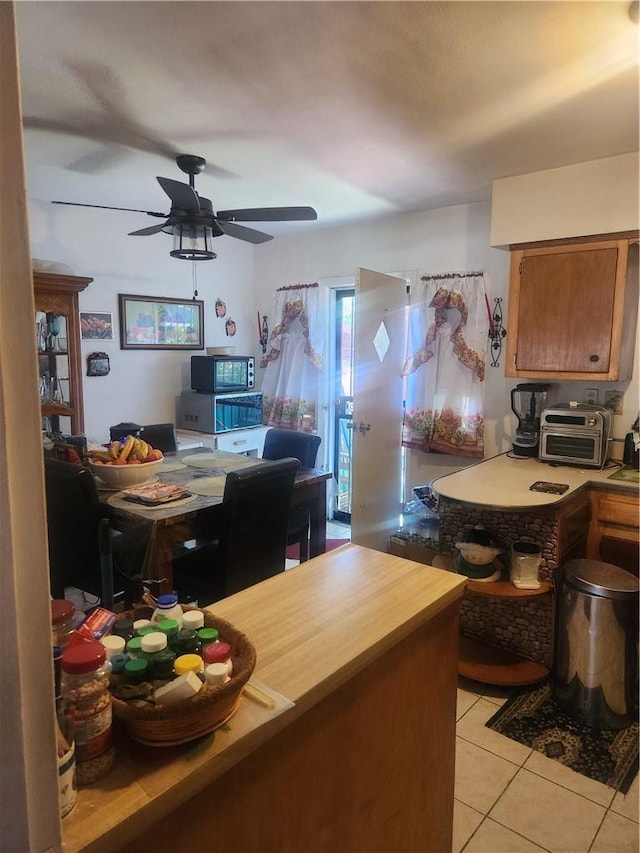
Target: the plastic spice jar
(158, 655)
(136, 671)
(86, 697)
(188, 663)
(207, 635)
(134, 647)
(139, 624)
(113, 645)
(215, 674)
(62, 615)
(193, 619)
(185, 642)
(123, 628)
(167, 607)
(218, 653)
(169, 627)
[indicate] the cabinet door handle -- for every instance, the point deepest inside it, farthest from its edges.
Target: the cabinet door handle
(594, 358)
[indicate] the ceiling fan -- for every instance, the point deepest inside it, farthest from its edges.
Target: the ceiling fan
(193, 222)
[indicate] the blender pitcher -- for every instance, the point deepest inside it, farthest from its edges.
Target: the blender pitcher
(527, 402)
(526, 558)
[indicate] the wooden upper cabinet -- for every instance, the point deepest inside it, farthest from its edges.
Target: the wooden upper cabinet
(573, 310)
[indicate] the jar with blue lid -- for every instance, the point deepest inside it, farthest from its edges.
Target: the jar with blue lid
(167, 607)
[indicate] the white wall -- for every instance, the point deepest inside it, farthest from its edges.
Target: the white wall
(143, 385)
(597, 197)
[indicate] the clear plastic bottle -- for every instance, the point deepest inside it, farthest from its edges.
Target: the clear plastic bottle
(86, 698)
(167, 607)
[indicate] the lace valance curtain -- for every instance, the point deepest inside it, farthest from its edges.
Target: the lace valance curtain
(448, 341)
(293, 360)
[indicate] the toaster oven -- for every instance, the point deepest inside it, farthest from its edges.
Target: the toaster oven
(575, 434)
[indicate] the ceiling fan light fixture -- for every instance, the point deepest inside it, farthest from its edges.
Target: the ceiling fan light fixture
(193, 243)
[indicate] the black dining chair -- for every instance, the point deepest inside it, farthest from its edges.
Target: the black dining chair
(253, 535)
(81, 540)
(160, 437)
(279, 443)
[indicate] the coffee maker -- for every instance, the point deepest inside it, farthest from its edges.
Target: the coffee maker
(527, 402)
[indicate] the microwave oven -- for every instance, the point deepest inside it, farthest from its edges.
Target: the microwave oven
(217, 413)
(575, 434)
(222, 374)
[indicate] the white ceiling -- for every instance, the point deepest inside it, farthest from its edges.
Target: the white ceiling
(360, 109)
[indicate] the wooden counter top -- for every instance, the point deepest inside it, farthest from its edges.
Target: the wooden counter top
(314, 628)
(503, 482)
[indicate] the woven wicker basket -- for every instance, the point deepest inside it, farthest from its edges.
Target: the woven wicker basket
(170, 725)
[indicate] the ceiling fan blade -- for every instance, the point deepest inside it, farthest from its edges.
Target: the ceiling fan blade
(242, 233)
(108, 207)
(268, 214)
(144, 232)
(181, 195)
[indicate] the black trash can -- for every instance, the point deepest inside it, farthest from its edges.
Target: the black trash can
(595, 667)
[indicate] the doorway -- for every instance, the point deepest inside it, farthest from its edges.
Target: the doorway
(343, 402)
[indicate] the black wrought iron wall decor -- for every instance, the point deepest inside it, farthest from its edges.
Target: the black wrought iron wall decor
(497, 331)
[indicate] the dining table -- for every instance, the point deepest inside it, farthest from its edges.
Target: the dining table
(153, 533)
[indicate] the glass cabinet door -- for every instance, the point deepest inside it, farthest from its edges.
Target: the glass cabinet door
(57, 340)
(53, 368)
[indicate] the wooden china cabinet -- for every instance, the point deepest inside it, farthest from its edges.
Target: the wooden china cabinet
(58, 340)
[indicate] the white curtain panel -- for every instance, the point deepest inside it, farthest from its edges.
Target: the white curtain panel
(293, 360)
(448, 342)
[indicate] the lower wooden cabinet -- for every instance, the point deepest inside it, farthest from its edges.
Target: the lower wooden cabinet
(614, 529)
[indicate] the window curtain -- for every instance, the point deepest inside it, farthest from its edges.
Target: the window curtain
(448, 340)
(293, 360)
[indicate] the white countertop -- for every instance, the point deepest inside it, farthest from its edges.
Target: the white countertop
(503, 482)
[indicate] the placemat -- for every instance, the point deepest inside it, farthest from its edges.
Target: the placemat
(171, 465)
(210, 487)
(223, 461)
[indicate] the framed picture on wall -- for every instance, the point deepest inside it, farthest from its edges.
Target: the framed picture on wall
(155, 322)
(96, 326)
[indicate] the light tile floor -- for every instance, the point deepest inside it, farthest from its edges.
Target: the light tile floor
(511, 799)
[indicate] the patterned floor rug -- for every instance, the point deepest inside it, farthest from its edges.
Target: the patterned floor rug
(535, 720)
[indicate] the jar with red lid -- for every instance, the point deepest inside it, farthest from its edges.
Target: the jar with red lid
(86, 698)
(62, 620)
(218, 653)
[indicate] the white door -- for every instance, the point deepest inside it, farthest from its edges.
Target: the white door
(379, 350)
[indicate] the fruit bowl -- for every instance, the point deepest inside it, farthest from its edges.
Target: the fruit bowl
(123, 476)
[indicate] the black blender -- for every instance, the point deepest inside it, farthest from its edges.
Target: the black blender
(527, 402)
